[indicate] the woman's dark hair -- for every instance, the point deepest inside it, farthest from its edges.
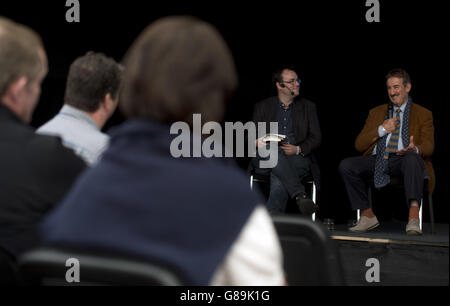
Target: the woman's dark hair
(178, 66)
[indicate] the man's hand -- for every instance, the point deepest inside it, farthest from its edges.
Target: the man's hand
(289, 149)
(259, 143)
(389, 124)
(410, 148)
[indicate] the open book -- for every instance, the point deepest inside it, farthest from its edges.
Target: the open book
(274, 137)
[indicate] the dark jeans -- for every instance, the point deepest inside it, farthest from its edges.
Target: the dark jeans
(285, 179)
(356, 171)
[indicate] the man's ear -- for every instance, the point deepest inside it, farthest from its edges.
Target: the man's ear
(15, 89)
(11, 97)
(408, 87)
(107, 102)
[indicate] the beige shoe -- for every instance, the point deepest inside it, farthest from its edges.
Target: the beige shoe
(413, 227)
(365, 224)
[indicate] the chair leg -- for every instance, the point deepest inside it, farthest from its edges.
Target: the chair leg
(251, 182)
(430, 204)
(314, 198)
(420, 214)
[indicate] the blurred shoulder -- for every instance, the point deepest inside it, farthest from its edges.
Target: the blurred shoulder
(267, 101)
(49, 151)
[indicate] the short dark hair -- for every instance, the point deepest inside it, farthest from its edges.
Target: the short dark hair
(277, 74)
(399, 73)
(90, 78)
(179, 65)
(19, 53)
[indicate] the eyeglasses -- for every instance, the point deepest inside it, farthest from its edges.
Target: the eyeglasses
(292, 82)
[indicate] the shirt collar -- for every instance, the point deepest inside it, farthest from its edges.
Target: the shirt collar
(281, 104)
(402, 108)
(79, 114)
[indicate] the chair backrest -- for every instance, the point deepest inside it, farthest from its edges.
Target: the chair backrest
(310, 256)
(8, 273)
(49, 266)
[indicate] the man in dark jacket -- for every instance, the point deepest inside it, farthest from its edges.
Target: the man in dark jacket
(35, 171)
(297, 120)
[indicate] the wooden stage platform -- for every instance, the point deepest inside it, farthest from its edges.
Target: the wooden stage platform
(403, 260)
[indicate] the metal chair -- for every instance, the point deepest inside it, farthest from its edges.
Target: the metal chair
(47, 266)
(310, 257)
(258, 177)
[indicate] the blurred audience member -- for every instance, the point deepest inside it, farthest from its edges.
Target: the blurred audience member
(195, 214)
(35, 170)
(90, 100)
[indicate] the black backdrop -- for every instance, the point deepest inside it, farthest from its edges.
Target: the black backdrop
(341, 58)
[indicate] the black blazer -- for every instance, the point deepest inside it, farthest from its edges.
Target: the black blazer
(35, 173)
(305, 123)
(304, 120)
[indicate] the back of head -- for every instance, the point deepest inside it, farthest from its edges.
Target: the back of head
(20, 49)
(90, 78)
(178, 66)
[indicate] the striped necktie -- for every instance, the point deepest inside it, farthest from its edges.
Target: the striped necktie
(392, 145)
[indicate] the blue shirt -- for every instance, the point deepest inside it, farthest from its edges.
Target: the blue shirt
(284, 119)
(79, 132)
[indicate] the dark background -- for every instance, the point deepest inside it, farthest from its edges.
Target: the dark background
(341, 59)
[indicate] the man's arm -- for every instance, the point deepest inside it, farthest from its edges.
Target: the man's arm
(258, 116)
(57, 167)
(369, 134)
(314, 135)
(425, 142)
(252, 260)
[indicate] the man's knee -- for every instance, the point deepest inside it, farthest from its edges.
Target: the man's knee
(412, 159)
(275, 183)
(345, 166)
(277, 187)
